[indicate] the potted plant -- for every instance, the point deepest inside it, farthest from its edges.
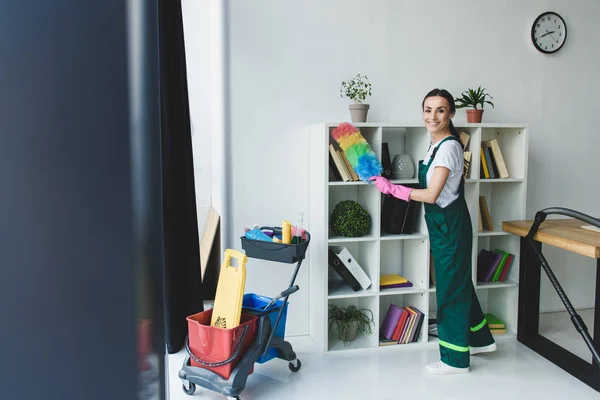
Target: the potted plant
(473, 98)
(357, 89)
(349, 321)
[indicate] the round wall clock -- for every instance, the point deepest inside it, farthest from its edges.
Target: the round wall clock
(548, 32)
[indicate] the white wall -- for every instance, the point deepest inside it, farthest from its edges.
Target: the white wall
(197, 33)
(288, 59)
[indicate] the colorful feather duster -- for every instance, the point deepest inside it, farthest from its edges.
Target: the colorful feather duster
(358, 151)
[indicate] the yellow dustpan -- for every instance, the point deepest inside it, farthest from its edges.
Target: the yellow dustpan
(227, 309)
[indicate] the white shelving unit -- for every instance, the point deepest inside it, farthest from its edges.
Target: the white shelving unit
(408, 255)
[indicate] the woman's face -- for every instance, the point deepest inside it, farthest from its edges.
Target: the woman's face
(436, 114)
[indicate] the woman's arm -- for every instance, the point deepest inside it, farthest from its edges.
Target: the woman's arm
(431, 194)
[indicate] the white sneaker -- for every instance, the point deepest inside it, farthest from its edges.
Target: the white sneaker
(440, 368)
(483, 349)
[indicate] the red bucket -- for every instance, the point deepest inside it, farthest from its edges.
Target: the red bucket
(210, 345)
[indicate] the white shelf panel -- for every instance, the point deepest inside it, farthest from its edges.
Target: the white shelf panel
(396, 291)
(398, 344)
(495, 285)
(403, 237)
(404, 181)
(493, 233)
(361, 342)
(505, 180)
(343, 291)
(353, 183)
(341, 239)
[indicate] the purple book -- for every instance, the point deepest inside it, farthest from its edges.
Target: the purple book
(397, 285)
(390, 321)
(493, 267)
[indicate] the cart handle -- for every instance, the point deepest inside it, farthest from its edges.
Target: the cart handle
(217, 363)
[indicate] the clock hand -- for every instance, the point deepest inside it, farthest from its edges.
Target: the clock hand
(550, 33)
(547, 33)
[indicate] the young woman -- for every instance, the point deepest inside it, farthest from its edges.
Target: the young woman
(462, 328)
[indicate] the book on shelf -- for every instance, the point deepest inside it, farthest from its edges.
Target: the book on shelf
(486, 173)
(390, 321)
(464, 139)
(339, 163)
(344, 264)
(493, 266)
(494, 322)
(490, 163)
(390, 281)
(467, 160)
(494, 146)
(496, 325)
(334, 171)
(486, 216)
(401, 325)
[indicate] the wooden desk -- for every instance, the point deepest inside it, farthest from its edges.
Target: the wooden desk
(566, 234)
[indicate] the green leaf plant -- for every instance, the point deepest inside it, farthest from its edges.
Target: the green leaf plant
(356, 89)
(473, 98)
(345, 317)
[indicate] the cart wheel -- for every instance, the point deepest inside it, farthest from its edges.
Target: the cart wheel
(233, 398)
(190, 389)
(295, 368)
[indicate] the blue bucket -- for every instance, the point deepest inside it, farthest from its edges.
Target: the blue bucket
(257, 302)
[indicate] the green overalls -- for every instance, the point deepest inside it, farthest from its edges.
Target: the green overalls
(460, 321)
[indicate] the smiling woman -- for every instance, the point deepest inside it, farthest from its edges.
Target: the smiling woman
(462, 327)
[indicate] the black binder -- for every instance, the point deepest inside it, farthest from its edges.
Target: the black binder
(339, 267)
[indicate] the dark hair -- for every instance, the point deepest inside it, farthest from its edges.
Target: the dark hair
(446, 95)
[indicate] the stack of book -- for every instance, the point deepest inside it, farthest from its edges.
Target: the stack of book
(340, 167)
(393, 281)
(492, 161)
(493, 266)
(464, 139)
(401, 325)
(497, 327)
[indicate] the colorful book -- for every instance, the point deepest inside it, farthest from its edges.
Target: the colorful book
(391, 279)
(398, 285)
(501, 264)
(400, 325)
(507, 266)
(494, 322)
(390, 321)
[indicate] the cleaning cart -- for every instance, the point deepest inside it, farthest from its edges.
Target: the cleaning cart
(258, 338)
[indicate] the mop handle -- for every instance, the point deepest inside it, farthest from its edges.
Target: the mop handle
(286, 292)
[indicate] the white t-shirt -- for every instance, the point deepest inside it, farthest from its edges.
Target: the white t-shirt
(449, 155)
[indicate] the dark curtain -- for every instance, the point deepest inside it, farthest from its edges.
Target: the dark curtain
(183, 295)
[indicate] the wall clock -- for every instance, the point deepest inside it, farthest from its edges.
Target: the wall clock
(548, 32)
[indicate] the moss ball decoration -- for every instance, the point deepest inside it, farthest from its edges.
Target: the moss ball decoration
(349, 219)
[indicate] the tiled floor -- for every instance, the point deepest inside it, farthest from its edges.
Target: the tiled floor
(512, 372)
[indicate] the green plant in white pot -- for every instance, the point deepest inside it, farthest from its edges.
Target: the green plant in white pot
(349, 321)
(357, 89)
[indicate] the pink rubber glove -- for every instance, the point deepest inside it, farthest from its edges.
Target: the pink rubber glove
(386, 187)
